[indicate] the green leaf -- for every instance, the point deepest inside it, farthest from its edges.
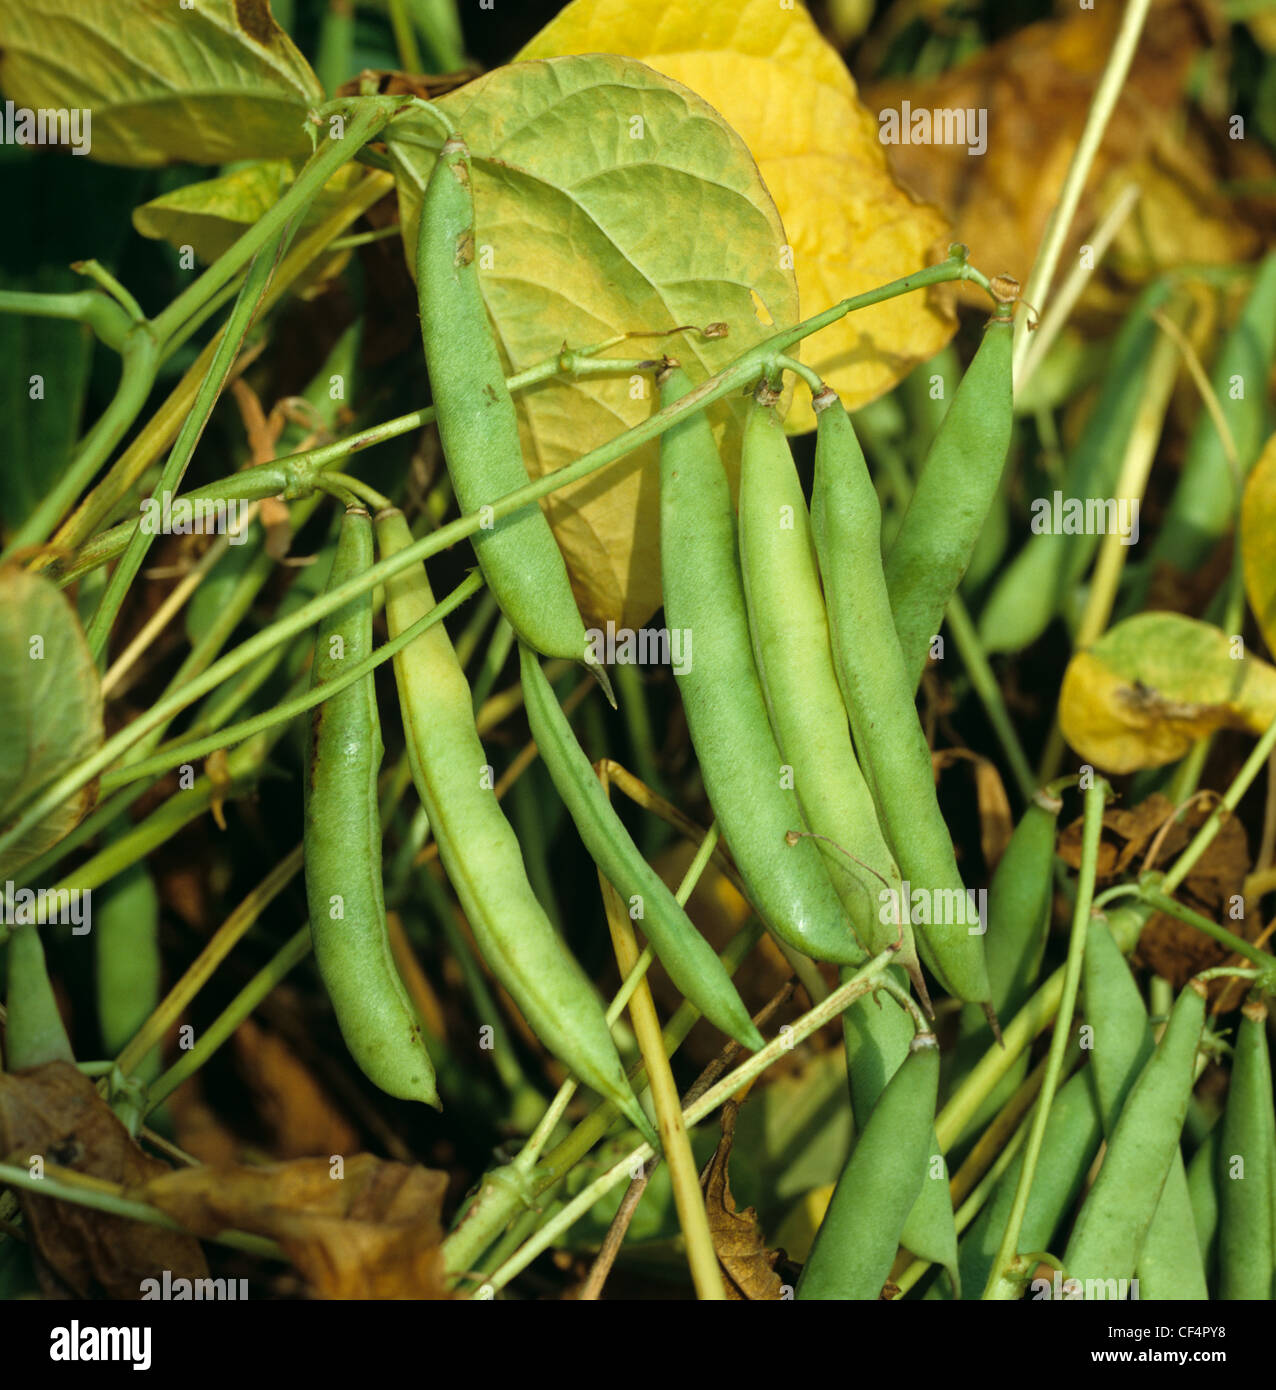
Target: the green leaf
(609, 199)
(210, 216)
(209, 84)
(50, 708)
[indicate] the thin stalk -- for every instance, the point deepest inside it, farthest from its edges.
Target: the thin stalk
(1092, 826)
(702, 1258)
(201, 969)
(190, 750)
(1102, 105)
(296, 949)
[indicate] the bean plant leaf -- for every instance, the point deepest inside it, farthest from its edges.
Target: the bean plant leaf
(217, 81)
(211, 215)
(50, 707)
(1258, 542)
(1154, 684)
(850, 226)
(608, 200)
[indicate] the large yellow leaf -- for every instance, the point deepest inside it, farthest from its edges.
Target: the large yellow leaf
(849, 225)
(1154, 684)
(608, 199)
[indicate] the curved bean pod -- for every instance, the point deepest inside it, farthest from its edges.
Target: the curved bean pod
(1114, 1219)
(343, 849)
(857, 1240)
(1246, 1145)
(477, 421)
(954, 494)
(877, 1035)
(1169, 1264)
(878, 692)
(479, 849)
(1019, 899)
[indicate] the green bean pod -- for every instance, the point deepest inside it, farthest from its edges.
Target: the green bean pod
(877, 1035)
(1072, 1137)
(34, 1033)
(477, 421)
(127, 964)
(343, 848)
(1169, 1264)
(479, 849)
(1246, 1145)
(954, 494)
(859, 1236)
(878, 693)
(1113, 1222)
(1205, 501)
(693, 964)
(743, 771)
(1032, 588)
(1019, 899)
(790, 633)
(1202, 1188)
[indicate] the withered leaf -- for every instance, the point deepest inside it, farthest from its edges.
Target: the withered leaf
(747, 1263)
(1171, 948)
(56, 1112)
(373, 1232)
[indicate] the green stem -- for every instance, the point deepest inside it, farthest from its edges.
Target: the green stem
(228, 346)
(364, 117)
(296, 949)
(504, 1190)
(746, 368)
(1095, 797)
(191, 750)
(975, 660)
(1163, 903)
(1204, 837)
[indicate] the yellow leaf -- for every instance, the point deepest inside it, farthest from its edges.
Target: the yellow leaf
(850, 226)
(608, 200)
(1154, 684)
(1258, 542)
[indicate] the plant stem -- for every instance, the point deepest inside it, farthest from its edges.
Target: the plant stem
(1095, 797)
(63, 1189)
(295, 949)
(228, 346)
(706, 1273)
(1102, 104)
(745, 369)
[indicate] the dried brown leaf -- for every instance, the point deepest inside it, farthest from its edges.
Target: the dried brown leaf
(55, 1112)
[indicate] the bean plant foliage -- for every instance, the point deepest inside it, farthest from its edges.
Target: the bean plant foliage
(473, 822)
